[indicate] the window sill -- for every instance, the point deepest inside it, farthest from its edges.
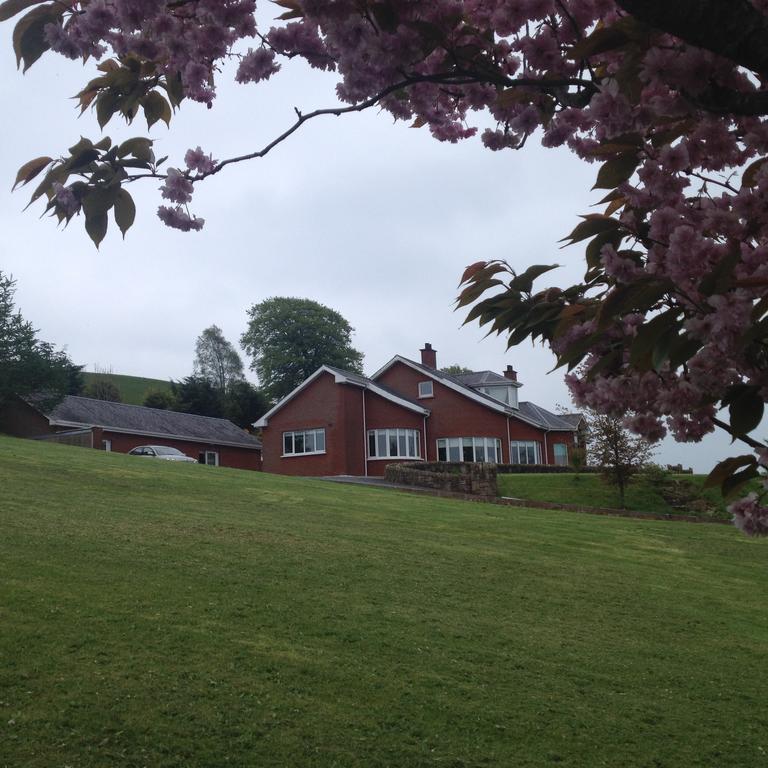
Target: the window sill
(299, 455)
(397, 458)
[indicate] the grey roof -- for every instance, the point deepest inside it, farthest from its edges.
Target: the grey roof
(529, 412)
(364, 381)
(574, 419)
(154, 422)
(546, 418)
(483, 379)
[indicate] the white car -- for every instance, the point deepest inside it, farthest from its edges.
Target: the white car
(161, 452)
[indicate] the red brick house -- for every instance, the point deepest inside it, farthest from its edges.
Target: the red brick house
(340, 423)
(119, 427)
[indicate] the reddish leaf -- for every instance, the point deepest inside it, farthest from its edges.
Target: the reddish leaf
(29, 170)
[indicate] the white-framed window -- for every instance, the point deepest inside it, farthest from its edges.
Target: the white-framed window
(524, 452)
(487, 449)
(212, 458)
(301, 443)
(393, 444)
(502, 393)
(106, 445)
(426, 389)
(560, 451)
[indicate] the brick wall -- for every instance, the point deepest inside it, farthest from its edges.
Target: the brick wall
(229, 456)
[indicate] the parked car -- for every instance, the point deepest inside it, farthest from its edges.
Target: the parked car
(161, 452)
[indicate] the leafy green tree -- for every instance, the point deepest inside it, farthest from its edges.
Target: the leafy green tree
(28, 365)
(290, 338)
(161, 399)
(455, 369)
(216, 359)
(198, 396)
(102, 388)
(613, 447)
(244, 403)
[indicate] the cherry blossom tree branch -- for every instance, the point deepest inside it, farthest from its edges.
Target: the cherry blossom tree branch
(459, 77)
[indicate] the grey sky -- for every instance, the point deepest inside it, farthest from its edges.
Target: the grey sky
(374, 219)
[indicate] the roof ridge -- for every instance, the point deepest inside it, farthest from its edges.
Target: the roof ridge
(148, 408)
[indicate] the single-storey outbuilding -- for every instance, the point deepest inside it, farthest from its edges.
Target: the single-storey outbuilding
(119, 427)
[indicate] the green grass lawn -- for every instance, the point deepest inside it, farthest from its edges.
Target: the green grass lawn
(591, 490)
(133, 389)
(160, 615)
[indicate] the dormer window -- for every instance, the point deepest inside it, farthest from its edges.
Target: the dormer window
(504, 394)
(426, 389)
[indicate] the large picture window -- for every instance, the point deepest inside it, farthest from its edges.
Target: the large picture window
(304, 442)
(485, 449)
(393, 444)
(524, 452)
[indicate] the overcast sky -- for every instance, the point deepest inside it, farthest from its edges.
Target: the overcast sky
(374, 219)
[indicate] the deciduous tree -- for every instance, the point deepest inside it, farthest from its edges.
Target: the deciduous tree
(290, 338)
(216, 360)
(613, 447)
(102, 388)
(668, 98)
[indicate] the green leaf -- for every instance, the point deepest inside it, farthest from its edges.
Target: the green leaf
(96, 227)
(738, 480)
(156, 108)
(749, 178)
(125, 211)
(640, 296)
(29, 170)
(616, 170)
(29, 41)
(745, 407)
(641, 351)
(524, 282)
(592, 225)
(139, 147)
(612, 237)
(107, 103)
(602, 40)
(726, 468)
(10, 8)
(175, 89)
(721, 278)
(386, 16)
(682, 349)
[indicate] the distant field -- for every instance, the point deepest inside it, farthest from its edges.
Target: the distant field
(133, 389)
(591, 490)
(198, 617)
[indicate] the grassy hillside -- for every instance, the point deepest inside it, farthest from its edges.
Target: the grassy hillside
(641, 496)
(133, 389)
(160, 615)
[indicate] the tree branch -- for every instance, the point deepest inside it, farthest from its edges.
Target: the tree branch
(734, 29)
(744, 438)
(458, 77)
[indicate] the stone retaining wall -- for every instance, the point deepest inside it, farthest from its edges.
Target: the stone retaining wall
(472, 479)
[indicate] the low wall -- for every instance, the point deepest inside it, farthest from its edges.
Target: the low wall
(554, 469)
(473, 479)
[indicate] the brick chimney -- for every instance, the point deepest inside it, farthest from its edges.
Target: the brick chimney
(429, 356)
(510, 373)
